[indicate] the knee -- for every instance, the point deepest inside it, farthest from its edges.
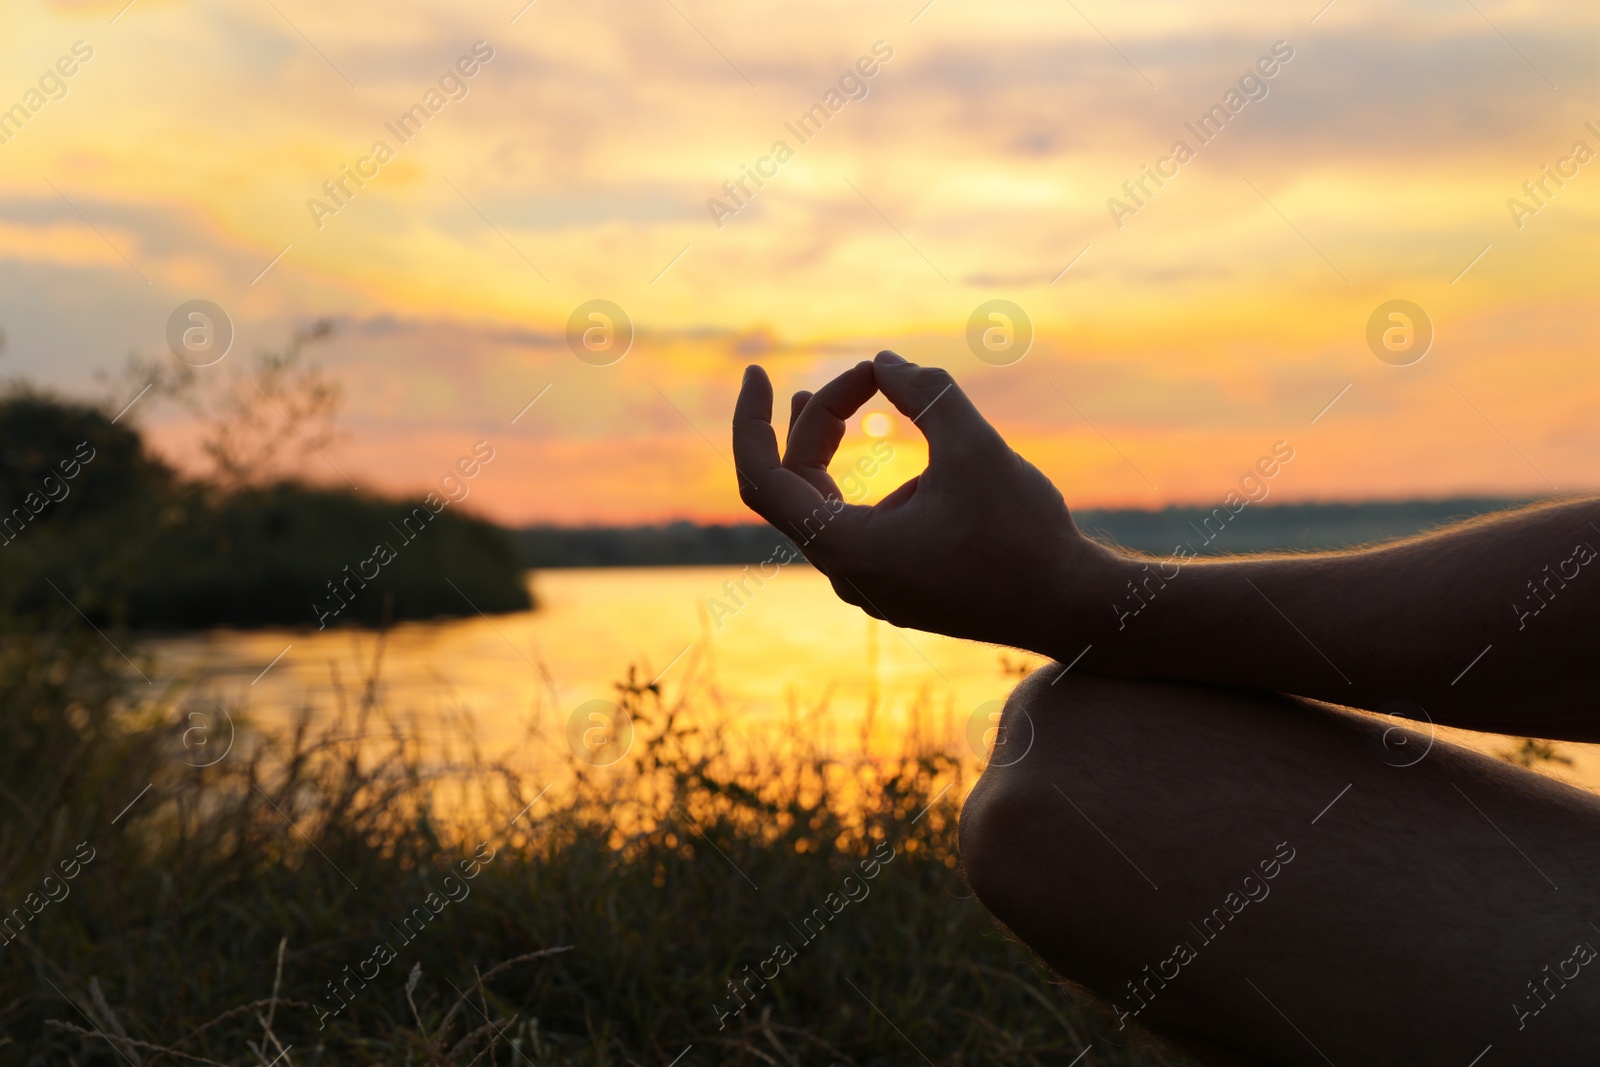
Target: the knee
(993, 812)
(1085, 757)
(1063, 735)
(993, 838)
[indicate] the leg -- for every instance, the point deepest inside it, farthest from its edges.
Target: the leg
(1167, 846)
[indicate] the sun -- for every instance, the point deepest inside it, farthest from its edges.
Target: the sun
(877, 424)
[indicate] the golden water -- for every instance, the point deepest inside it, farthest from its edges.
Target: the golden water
(788, 646)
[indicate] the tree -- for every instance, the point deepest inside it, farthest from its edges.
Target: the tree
(259, 422)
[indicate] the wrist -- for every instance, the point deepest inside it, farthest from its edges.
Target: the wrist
(1085, 584)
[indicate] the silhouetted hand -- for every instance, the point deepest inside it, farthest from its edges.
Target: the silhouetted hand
(980, 545)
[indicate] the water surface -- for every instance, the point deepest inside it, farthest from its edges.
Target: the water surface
(753, 653)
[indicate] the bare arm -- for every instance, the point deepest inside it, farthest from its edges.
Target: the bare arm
(1491, 624)
(981, 545)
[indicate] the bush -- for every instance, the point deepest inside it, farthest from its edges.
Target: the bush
(126, 541)
(292, 555)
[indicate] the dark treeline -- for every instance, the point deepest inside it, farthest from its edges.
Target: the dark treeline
(1220, 530)
(674, 544)
(1249, 528)
(91, 516)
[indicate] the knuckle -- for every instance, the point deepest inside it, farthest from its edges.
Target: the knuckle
(846, 592)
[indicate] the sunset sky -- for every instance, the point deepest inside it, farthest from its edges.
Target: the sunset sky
(1174, 345)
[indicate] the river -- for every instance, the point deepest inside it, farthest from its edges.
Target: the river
(757, 660)
(786, 647)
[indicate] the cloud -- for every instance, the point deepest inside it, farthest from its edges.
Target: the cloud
(978, 166)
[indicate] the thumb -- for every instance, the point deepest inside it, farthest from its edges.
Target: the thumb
(931, 399)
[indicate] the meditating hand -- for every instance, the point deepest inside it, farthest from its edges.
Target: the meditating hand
(980, 545)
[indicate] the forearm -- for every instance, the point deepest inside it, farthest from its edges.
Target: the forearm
(1407, 621)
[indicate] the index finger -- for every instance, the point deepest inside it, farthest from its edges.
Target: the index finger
(816, 434)
(766, 487)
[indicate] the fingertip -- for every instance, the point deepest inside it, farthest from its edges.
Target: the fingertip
(888, 358)
(797, 404)
(755, 396)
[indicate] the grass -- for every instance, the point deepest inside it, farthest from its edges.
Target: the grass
(226, 905)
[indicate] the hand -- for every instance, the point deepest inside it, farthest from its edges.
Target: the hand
(980, 545)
